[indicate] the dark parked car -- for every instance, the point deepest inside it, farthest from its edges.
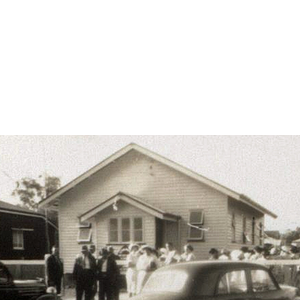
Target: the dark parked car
(21, 289)
(215, 280)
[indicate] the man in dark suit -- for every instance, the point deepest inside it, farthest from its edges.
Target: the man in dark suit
(108, 274)
(55, 270)
(84, 274)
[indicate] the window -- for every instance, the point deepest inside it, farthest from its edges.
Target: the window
(233, 228)
(124, 230)
(233, 283)
(196, 222)
(260, 234)
(253, 231)
(113, 230)
(18, 239)
(85, 232)
(261, 281)
(245, 237)
(166, 281)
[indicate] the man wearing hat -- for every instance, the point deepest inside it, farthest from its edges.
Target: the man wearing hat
(84, 274)
(55, 269)
(108, 274)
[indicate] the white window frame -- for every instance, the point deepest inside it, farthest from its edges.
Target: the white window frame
(199, 224)
(84, 225)
(119, 224)
(19, 239)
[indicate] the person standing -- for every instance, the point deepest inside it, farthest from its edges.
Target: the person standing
(107, 273)
(172, 255)
(84, 274)
(131, 274)
(213, 254)
(145, 265)
(55, 270)
(116, 291)
(188, 254)
(92, 249)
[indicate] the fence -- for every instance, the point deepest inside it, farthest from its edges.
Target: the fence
(285, 271)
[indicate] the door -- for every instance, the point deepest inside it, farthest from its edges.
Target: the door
(159, 233)
(7, 288)
(234, 285)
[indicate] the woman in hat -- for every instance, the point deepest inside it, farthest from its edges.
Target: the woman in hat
(146, 264)
(131, 274)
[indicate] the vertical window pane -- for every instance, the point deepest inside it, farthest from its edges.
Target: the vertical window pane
(138, 235)
(261, 281)
(138, 223)
(126, 224)
(18, 239)
(196, 217)
(113, 224)
(126, 236)
(114, 236)
(113, 227)
(196, 233)
(233, 283)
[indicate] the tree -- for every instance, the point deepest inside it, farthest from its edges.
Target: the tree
(291, 235)
(31, 191)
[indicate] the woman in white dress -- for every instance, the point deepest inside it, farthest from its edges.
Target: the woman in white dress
(146, 264)
(188, 254)
(131, 274)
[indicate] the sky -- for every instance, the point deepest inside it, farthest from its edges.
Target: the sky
(265, 168)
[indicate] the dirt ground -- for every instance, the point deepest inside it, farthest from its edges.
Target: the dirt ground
(69, 294)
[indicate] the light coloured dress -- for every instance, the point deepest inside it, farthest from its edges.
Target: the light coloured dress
(144, 269)
(187, 256)
(131, 274)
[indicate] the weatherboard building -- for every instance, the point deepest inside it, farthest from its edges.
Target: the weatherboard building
(136, 195)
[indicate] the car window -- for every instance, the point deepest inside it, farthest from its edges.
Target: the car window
(234, 282)
(3, 275)
(261, 281)
(166, 281)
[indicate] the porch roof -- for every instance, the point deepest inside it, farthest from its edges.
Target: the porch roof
(132, 200)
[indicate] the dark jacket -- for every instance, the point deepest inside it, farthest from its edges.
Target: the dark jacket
(55, 269)
(112, 273)
(79, 266)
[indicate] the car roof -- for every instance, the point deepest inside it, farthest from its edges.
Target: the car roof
(210, 265)
(207, 272)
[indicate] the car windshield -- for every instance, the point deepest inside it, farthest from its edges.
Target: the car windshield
(166, 281)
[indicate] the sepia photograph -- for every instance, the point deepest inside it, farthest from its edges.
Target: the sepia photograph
(156, 217)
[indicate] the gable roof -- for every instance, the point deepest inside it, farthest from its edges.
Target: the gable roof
(6, 207)
(15, 208)
(222, 189)
(132, 200)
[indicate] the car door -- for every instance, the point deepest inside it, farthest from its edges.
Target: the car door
(234, 285)
(264, 286)
(7, 289)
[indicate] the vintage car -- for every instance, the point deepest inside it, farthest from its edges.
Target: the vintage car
(11, 289)
(222, 280)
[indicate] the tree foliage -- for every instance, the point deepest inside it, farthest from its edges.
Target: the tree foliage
(291, 235)
(31, 191)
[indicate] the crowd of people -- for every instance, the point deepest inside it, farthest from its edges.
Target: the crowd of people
(100, 274)
(257, 253)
